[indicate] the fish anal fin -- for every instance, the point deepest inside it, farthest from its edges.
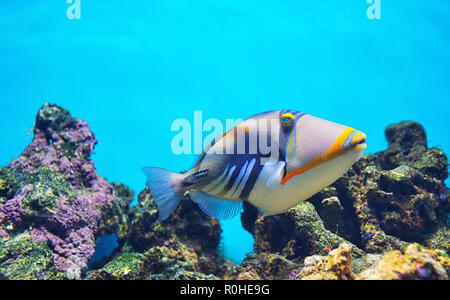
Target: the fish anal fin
(215, 207)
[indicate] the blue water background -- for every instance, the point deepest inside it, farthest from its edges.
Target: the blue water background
(130, 68)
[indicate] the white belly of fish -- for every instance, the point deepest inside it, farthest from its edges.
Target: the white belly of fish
(269, 195)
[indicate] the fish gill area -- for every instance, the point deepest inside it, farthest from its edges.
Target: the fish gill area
(388, 217)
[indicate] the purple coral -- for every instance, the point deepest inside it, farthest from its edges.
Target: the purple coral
(293, 275)
(12, 209)
(64, 144)
(367, 236)
(423, 272)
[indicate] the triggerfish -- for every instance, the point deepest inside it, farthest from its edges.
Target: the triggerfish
(274, 160)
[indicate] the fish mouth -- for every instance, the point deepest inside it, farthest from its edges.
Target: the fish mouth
(359, 141)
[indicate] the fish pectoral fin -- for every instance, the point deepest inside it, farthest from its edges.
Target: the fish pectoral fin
(273, 173)
(215, 207)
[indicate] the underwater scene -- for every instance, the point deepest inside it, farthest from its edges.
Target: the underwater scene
(226, 139)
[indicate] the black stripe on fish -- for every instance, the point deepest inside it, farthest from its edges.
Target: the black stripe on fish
(284, 134)
(251, 180)
(256, 170)
(236, 159)
(194, 177)
(240, 164)
(243, 177)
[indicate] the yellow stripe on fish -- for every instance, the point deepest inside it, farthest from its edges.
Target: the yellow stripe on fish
(335, 150)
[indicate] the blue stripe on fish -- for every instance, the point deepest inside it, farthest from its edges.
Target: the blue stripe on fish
(266, 113)
(236, 181)
(253, 172)
(281, 140)
(214, 183)
(251, 179)
(301, 114)
(245, 177)
(240, 160)
(349, 139)
(224, 182)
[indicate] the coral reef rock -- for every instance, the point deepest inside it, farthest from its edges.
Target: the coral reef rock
(297, 233)
(52, 197)
(334, 266)
(267, 266)
(54, 207)
(388, 217)
(412, 264)
(182, 247)
(172, 261)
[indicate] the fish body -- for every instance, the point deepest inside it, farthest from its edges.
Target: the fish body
(273, 160)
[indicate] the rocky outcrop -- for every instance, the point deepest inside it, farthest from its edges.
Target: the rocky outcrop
(386, 218)
(53, 196)
(54, 206)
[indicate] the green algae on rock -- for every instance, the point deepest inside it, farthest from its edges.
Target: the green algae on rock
(53, 193)
(23, 259)
(115, 216)
(187, 229)
(297, 233)
(171, 261)
(188, 222)
(381, 220)
(126, 266)
(266, 266)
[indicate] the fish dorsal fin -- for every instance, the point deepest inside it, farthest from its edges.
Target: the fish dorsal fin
(215, 207)
(212, 137)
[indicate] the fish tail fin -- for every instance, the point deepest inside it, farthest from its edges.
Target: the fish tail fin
(166, 188)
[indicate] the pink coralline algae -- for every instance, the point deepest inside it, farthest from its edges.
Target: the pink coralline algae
(12, 209)
(65, 145)
(63, 196)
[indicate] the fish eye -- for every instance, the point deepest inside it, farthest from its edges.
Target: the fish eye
(287, 120)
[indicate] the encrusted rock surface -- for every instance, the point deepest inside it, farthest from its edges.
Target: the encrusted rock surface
(411, 264)
(386, 218)
(181, 247)
(54, 206)
(53, 195)
(334, 266)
